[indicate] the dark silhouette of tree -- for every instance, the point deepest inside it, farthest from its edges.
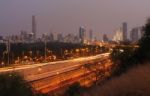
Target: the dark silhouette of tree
(132, 56)
(12, 84)
(74, 90)
(38, 50)
(143, 53)
(123, 58)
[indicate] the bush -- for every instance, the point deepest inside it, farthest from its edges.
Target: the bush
(12, 84)
(123, 58)
(74, 90)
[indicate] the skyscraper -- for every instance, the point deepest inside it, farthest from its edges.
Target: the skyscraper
(82, 34)
(118, 35)
(124, 30)
(134, 35)
(60, 37)
(51, 37)
(34, 27)
(105, 38)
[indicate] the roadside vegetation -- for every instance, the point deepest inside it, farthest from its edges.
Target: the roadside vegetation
(126, 57)
(12, 84)
(30, 53)
(74, 90)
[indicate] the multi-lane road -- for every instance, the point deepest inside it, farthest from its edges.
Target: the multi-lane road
(45, 75)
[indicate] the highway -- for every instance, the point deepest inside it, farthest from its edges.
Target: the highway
(46, 76)
(23, 67)
(51, 68)
(85, 76)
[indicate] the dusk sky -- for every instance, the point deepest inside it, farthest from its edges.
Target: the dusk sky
(65, 16)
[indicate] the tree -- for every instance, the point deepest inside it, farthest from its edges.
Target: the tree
(12, 84)
(143, 53)
(123, 58)
(74, 90)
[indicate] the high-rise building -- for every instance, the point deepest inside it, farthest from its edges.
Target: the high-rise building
(34, 31)
(141, 32)
(134, 35)
(105, 38)
(118, 35)
(76, 39)
(60, 37)
(82, 34)
(91, 35)
(24, 35)
(51, 37)
(124, 30)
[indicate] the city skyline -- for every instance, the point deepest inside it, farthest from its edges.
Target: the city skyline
(67, 16)
(74, 48)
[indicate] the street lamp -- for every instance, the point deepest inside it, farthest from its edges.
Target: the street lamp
(45, 49)
(2, 63)
(8, 50)
(39, 69)
(57, 73)
(121, 50)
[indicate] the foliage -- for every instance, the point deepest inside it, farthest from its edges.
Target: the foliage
(129, 56)
(123, 58)
(38, 50)
(12, 84)
(74, 90)
(143, 52)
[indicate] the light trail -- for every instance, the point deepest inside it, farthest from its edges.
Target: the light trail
(22, 67)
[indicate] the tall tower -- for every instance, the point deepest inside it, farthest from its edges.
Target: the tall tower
(34, 27)
(82, 34)
(124, 29)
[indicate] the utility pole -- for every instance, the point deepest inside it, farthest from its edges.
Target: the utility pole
(8, 50)
(45, 49)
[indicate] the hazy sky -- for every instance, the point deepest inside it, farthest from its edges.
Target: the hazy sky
(65, 16)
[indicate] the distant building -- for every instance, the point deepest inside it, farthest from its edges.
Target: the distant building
(71, 38)
(13, 39)
(105, 38)
(124, 30)
(24, 36)
(31, 37)
(1, 39)
(60, 38)
(34, 31)
(51, 37)
(141, 32)
(134, 35)
(76, 39)
(68, 38)
(91, 35)
(82, 34)
(118, 35)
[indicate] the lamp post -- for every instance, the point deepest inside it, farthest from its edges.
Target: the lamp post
(3, 59)
(45, 50)
(8, 50)
(45, 43)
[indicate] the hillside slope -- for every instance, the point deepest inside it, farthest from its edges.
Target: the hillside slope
(136, 82)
